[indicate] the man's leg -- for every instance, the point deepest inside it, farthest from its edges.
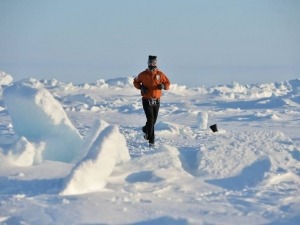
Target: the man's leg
(150, 115)
(155, 115)
(155, 112)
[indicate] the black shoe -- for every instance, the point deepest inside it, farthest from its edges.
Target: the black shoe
(151, 145)
(145, 133)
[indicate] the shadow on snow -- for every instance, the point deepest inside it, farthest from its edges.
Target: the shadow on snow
(249, 177)
(30, 187)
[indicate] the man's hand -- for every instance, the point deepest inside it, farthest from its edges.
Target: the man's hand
(144, 90)
(161, 86)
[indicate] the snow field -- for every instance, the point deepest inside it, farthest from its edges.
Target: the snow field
(100, 171)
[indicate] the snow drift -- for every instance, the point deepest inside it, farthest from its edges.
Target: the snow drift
(24, 153)
(5, 79)
(90, 174)
(38, 117)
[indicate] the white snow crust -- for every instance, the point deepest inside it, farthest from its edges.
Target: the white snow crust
(75, 154)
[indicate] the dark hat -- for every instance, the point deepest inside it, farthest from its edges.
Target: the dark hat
(152, 57)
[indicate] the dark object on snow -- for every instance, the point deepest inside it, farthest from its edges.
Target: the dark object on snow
(214, 128)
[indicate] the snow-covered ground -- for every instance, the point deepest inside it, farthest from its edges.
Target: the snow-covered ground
(74, 154)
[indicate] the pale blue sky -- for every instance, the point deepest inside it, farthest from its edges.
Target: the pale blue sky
(197, 42)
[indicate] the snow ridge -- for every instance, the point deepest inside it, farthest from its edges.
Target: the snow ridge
(90, 174)
(38, 117)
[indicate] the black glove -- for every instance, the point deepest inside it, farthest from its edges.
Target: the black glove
(144, 90)
(161, 86)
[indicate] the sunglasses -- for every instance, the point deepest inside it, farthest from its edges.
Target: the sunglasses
(152, 62)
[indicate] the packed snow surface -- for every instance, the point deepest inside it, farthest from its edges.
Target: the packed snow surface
(75, 154)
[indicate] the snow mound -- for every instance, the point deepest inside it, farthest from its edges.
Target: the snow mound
(202, 120)
(228, 154)
(38, 116)
(236, 161)
(152, 173)
(91, 137)
(166, 158)
(120, 82)
(163, 165)
(90, 174)
(24, 154)
(5, 79)
(83, 98)
(249, 177)
(168, 128)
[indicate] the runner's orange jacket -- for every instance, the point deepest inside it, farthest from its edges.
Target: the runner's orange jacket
(151, 80)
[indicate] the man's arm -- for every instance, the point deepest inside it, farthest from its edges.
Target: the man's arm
(166, 82)
(137, 82)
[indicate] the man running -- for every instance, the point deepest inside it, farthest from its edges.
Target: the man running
(151, 82)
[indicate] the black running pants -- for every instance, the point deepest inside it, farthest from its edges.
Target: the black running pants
(151, 112)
